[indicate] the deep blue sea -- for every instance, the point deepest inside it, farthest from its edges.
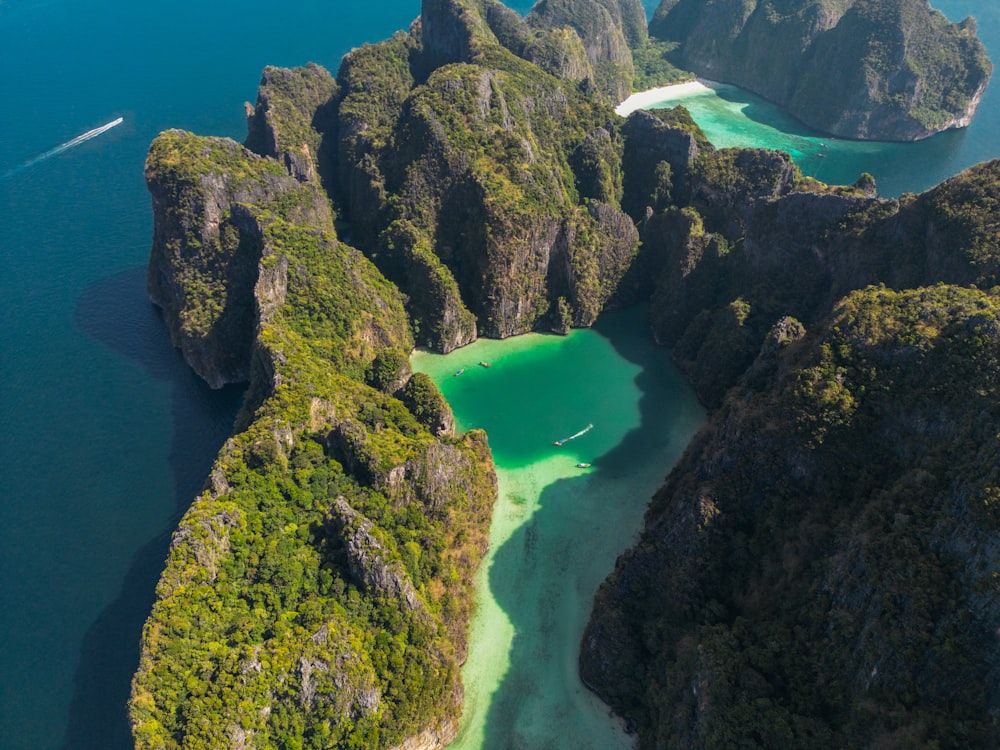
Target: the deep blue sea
(106, 436)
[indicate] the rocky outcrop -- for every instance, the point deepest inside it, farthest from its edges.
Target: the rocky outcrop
(435, 738)
(294, 120)
(867, 69)
(824, 522)
(470, 229)
(816, 572)
(427, 404)
(733, 266)
(659, 146)
(593, 252)
(602, 28)
(460, 189)
(204, 262)
(368, 560)
(333, 513)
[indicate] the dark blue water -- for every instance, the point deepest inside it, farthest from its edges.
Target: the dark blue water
(105, 434)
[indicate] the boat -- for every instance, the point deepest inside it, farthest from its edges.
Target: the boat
(485, 364)
(459, 372)
(583, 466)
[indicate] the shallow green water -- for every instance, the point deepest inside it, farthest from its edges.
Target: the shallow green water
(557, 529)
(731, 116)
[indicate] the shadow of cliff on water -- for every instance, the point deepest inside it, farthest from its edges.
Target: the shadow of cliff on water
(764, 112)
(116, 312)
(545, 575)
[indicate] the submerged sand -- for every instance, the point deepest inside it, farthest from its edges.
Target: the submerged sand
(557, 528)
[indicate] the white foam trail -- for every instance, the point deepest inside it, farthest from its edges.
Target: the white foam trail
(584, 431)
(82, 138)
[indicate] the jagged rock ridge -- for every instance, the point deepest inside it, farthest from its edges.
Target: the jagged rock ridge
(818, 569)
(318, 591)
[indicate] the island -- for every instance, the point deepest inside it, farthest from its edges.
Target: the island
(890, 70)
(818, 571)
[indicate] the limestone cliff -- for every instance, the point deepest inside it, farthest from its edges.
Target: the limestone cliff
(317, 593)
(462, 189)
(294, 111)
(203, 265)
(731, 274)
(819, 571)
(868, 69)
(608, 31)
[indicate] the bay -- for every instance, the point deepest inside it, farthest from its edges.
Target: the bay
(557, 526)
(731, 116)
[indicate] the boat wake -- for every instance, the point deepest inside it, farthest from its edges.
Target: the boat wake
(584, 431)
(82, 138)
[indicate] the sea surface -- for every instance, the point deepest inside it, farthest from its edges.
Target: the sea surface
(107, 435)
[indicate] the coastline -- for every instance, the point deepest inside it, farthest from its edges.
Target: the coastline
(643, 99)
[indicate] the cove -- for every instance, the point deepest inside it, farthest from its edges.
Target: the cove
(731, 116)
(556, 528)
(734, 117)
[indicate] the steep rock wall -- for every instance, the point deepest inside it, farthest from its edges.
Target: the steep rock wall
(867, 69)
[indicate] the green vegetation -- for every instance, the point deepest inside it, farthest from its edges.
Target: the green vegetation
(293, 111)
(816, 574)
(963, 214)
(827, 580)
(208, 249)
(653, 67)
(946, 58)
(426, 403)
(317, 594)
(482, 173)
(680, 118)
(607, 30)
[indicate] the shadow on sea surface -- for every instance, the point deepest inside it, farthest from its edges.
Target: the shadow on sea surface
(545, 575)
(762, 111)
(116, 312)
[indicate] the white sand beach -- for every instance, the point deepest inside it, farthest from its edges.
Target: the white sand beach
(644, 99)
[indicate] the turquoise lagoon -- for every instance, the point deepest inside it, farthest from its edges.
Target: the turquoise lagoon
(557, 528)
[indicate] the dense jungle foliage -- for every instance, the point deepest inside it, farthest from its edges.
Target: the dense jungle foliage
(317, 594)
(820, 570)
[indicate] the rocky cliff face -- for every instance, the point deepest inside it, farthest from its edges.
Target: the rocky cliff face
(818, 569)
(203, 265)
(729, 275)
(333, 551)
(461, 188)
(607, 30)
(318, 592)
(862, 69)
(295, 109)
